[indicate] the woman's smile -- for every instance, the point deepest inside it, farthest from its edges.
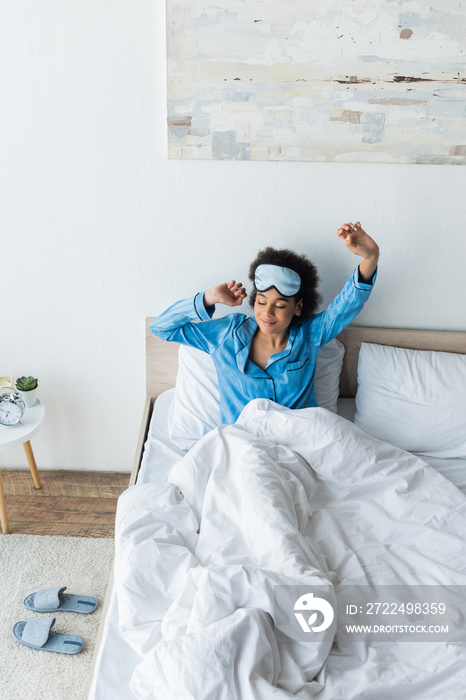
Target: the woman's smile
(274, 313)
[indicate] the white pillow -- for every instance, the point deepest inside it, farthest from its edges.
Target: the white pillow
(195, 407)
(413, 399)
(327, 376)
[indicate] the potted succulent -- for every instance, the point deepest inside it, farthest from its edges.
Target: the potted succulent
(27, 387)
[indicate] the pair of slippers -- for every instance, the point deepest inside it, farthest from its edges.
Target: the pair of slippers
(37, 634)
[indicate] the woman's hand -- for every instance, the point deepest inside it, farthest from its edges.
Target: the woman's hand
(357, 240)
(360, 243)
(230, 293)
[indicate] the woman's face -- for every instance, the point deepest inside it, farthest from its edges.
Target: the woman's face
(273, 312)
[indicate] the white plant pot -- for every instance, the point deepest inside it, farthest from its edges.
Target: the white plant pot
(29, 397)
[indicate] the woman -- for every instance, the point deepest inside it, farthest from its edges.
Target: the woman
(272, 354)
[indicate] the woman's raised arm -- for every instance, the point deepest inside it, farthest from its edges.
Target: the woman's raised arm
(360, 243)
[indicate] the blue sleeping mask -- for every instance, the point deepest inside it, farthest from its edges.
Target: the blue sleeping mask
(287, 282)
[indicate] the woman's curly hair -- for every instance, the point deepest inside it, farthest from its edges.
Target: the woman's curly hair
(300, 264)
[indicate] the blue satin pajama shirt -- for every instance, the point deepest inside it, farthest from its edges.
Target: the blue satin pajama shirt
(288, 378)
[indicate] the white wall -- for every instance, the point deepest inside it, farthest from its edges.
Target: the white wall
(99, 229)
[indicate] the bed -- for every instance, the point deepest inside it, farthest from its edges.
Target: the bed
(213, 530)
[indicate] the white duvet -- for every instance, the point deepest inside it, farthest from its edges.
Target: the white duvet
(296, 498)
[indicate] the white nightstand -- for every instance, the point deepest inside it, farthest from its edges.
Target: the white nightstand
(20, 434)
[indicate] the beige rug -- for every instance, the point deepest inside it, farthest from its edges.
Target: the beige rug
(27, 564)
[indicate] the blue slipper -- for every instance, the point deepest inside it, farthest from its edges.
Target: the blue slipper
(37, 635)
(54, 600)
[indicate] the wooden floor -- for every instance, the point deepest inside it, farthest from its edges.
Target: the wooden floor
(71, 504)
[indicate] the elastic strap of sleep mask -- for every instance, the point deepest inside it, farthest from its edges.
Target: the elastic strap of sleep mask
(287, 282)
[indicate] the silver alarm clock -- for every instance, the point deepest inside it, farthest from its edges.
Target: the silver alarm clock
(12, 406)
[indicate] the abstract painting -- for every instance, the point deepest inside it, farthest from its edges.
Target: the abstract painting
(375, 81)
